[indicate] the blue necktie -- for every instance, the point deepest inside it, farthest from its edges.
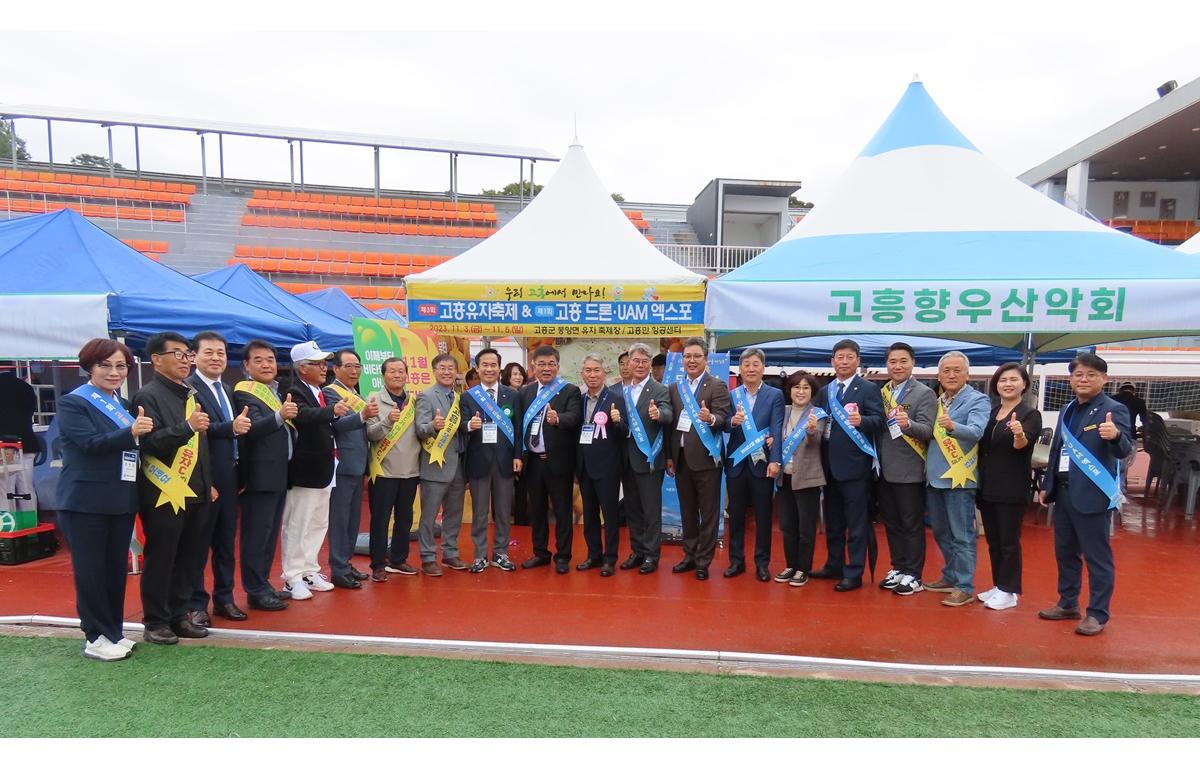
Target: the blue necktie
(841, 391)
(221, 401)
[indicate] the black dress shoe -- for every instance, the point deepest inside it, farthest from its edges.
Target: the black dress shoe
(283, 594)
(535, 562)
(357, 574)
(185, 628)
(266, 603)
(160, 636)
(633, 561)
(846, 585)
(588, 565)
(684, 567)
(200, 618)
(345, 581)
(230, 611)
(734, 570)
(762, 573)
(562, 566)
(608, 569)
(701, 574)
(648, 566)
(827, 573)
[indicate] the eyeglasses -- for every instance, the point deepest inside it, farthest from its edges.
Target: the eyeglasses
(178, 354)
(350, 366)
(119, 367)
(693, 357)
(317, 363)
(546, 364)
(1086, 375)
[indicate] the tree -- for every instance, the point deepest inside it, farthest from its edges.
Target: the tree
(513, 190)
(795, 202)
(618, 197)
(93, 161)
(6, 138)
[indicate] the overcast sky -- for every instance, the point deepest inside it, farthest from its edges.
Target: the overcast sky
(660, 111)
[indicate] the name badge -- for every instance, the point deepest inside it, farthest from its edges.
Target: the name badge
(685, 422)
(828, 427)
(535, 428)
(893, 425)
(1064, 462)
(490, 432)
(129, 463)
(586, 434)
(758, 456)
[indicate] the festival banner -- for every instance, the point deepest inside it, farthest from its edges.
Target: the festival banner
(376, 340)
(672, 521)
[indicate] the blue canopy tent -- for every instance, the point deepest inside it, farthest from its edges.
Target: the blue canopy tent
(63, 252)
(814, 351)
(336, 302)
(387, 313)
(241, 282)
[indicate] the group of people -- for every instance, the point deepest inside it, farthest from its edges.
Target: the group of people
(193, 456)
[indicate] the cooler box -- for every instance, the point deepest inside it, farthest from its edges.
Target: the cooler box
(18, 547)
(18, 503)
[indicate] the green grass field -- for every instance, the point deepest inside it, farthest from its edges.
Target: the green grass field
(51, 690)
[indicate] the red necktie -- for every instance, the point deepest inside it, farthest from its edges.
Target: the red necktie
(321, 397)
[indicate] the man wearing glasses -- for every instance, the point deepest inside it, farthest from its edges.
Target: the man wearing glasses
(175, 488)
(310, 473)
(350, 435)
(441, 428)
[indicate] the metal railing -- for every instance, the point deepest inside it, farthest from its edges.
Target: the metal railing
(709, 258)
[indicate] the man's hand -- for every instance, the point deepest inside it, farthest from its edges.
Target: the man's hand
(439, 421)
(653, 411)
(854, 417)
(902, 418)
(670, 468)
(475, 423)
(738, 417)
(517, 466)
(773, 470)
(1108, 430)
(241, 422)
(614, 415)
(551, 415)
(142, 424)
(340, 408)
(289, 409)
(198, 419)
(945, 423)
(372, 409)
(705, 414)
(1042, 498)
(213, 494)
(393, 415)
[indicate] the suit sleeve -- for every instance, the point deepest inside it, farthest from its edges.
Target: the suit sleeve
(977, 419)
(921, 416)
(262, 420)
(720, 407)
(161, 442)
(342, 424)
(776, 433)
(1032, 424)
(666, 412)
(310, 414)
(76, 424)
(222, 430)
(423, 421)
(872, 411)
(1123, 446)
(572, 412)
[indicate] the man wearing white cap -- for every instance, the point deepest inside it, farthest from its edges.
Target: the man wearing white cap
(310, 473)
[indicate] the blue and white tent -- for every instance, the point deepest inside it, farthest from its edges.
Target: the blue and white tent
(925, 236)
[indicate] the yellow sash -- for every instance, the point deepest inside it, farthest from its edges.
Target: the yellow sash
(891, 404)
(393, 436)
(263, 393)
(436, 446)
(962, 465)
(356, 403)
(173, 481)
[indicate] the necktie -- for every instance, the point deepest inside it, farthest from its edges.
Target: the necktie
(321, 397)
(841, 391)
(492, 394)
(225, 409)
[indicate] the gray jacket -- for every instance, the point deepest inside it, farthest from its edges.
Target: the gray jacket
(804, 468)
(435, 398)
(350, 437)
(404, 459)
(897, 459)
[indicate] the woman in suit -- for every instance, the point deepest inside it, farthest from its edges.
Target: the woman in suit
(97, 493)
(1005, 457)
(514, 375)
(802, 478)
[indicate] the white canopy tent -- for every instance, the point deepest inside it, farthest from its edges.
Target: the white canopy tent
(1191, 245)
(50, 326)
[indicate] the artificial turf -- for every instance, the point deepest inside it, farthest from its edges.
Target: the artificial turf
(49, 689)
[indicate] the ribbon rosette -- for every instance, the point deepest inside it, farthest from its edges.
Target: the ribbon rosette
(601, 419)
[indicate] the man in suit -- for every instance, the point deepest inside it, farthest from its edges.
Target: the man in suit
(492, 411)
(350, 438)
(224, 428)
(552, 410)
(700, 405)
(441, 428)
(751, 466)
(263, 454)
(910, 409)
(310, 473)
(644, 460)
(1083, 501)
(598, 467)
(175, 489)
(849, 459)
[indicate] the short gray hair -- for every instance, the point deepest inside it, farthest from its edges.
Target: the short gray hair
(696, 341)
(953, 353)
(753, 352)
(594, 357)
(637, 347)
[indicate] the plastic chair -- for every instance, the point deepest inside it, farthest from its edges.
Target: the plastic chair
(1158, 445)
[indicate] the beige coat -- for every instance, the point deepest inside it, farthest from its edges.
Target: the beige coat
(404, 458)
(805, 466)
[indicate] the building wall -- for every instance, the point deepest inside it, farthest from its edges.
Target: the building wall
(1185, 193)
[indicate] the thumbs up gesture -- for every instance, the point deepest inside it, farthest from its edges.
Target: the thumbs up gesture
(289, 409)
(902, 418)
(372, 409)
(738, 417)
(811, 427)
(340, 408)
(705, 414)
(614, 415)
(1014, 425)
(475, 423)
(241, 422)
(439, 421)
(653, 411)
(142, 424)
(198, 420)
(393, 415)
(1108, 430)
(551, 415)
(945, 422)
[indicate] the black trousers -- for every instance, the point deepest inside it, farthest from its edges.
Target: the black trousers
(176, 550)
(546, 490)
(746, 490)
(902, 506)
(223, 532)
(391, 498)
(600, 495)
(520, 499)
(798, 515)
(1002, 527)
(345, 515)
(1078, 538)
(262, 516)
(847, 525)
(700, 511)
(643, 512)
(99, 559)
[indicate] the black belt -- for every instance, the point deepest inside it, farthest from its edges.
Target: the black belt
(542, 455)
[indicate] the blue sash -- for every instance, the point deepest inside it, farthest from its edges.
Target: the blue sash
(492, 409)
(540, 402)
(640, 438)
(1089, 464)
(843, 420)
(710, 441)
(792, 443)
(109, 406)
(754, 438)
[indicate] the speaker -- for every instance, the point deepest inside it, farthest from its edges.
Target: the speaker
(1166, 88)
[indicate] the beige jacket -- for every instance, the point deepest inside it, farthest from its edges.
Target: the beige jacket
(404, 457)
(805, 466)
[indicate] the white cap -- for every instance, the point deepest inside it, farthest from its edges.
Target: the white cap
(309, 350)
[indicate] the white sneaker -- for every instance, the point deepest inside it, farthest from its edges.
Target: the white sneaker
(891, 580)
(125, 643)
(298, 589)
(318, 583)
(983, 597)
(1001, 600)
(104, 650)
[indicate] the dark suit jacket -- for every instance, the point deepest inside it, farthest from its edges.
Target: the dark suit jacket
(1004, 472)
(350, 436)
(263, 463)
(602, 459)
(165, 402)
(91, 454)
(768, 414)
(655, 392)
(560, 439)
(842, 458)
(713, 392)
(1085, 496)
(481, 456)
(220, 433)
(312, 456)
